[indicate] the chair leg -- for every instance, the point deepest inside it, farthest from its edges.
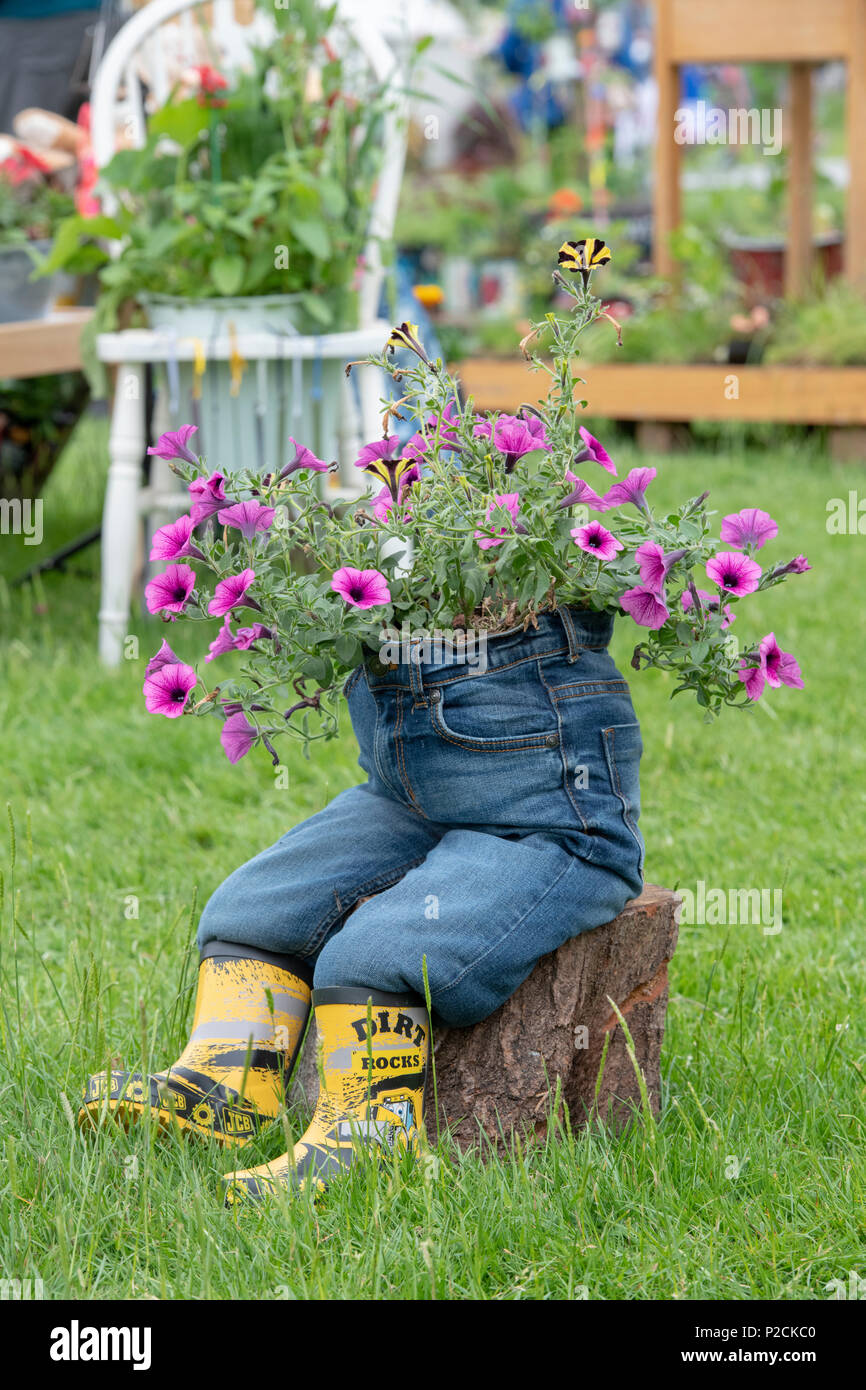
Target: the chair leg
(120, 514)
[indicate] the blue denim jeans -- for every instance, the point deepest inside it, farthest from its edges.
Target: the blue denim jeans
(498, 819)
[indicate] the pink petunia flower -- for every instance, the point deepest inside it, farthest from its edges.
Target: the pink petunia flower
(510, 501)
(645, 606)
(224, 640)
(582, 493)
(174, 541)
(537, 430)
(164, 657)
(247, 635)
(237, 736)
(166, 689)
(230, 593)
(513, 437)
(779, 667)
(799, 565)
(304, 458)
(735, 573)
(415, 448)
(631, 489)
(596, 540)
(447, 424)
(709, 601)
(361, 588)
(594, 451)
(248, 517)
(748, 528)
(169, 592)
(173, 444)
(753, 679)
(655, 565)
(775, 668)
(208, 496)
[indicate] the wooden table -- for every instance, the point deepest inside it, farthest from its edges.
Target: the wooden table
(38, 347)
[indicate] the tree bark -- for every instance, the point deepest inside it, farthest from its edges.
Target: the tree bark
(499, 1076)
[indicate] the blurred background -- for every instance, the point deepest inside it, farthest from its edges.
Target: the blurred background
(731, 189)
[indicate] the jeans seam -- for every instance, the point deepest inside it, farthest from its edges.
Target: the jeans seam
(617, 787)
(496, 944)
(401, 758)
(377, 749)
(352, 680)
(582, 688)
(379, 883)
(565, 775)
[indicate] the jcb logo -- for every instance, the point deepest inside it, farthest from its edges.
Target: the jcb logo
(234, 1123)
(394, 1062)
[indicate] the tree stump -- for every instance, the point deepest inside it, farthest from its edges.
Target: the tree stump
(498, 1076)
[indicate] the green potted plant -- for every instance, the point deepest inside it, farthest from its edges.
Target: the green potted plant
(249, 201)
(30, 208)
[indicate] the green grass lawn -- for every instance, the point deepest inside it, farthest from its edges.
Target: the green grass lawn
(751, 1183)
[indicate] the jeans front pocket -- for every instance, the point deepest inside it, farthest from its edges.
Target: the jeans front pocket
(502, 711)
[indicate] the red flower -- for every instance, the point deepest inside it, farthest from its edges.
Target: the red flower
(23, 165)
(208, 81)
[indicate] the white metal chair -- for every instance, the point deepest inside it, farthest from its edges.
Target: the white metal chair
(295, 384)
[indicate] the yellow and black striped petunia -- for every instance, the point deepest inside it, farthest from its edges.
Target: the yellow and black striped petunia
(583, 257)
(391, 472)
(405, 335)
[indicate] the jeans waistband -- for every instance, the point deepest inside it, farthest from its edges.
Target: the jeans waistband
(419, 660)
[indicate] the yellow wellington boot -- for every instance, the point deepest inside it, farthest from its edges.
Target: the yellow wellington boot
(375, 1049)
(250, 1015)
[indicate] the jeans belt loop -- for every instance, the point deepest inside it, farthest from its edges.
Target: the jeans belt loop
(570, 633)
(416, 682)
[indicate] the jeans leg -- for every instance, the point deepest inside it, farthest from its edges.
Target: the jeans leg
(291, 895)
(483, 910)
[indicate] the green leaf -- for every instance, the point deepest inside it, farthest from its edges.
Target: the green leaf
(348, 649)
(318, 668)
(227, 273)
(312, 233)
(334, 199)
(183, 121)
(72, 232)
(317, 309)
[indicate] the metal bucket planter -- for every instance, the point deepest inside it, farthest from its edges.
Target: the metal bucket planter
(245, 411)
(20, 297)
